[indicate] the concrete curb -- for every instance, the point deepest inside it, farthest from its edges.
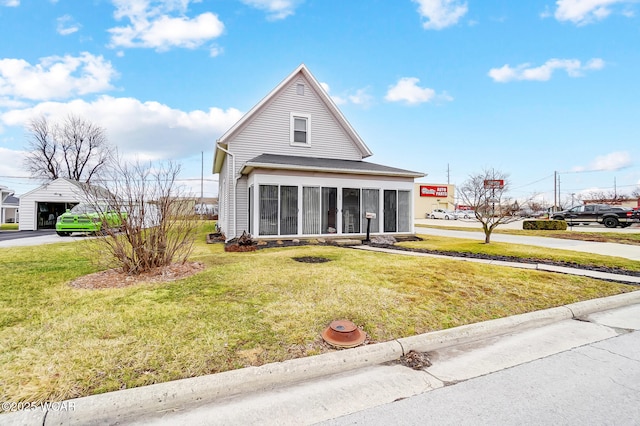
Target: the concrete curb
(129, 404)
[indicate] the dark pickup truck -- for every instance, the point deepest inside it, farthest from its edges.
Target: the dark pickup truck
(609, 216)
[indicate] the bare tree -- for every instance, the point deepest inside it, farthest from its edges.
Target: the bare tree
(76, 149)
(156, 223)
(486, 192)
(606, 197)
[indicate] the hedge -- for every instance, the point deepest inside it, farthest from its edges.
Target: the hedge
(553, 225)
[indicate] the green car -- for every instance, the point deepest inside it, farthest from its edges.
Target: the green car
(88, 218)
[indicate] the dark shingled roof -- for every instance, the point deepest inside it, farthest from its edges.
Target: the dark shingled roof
(11, 200)
(330, 165)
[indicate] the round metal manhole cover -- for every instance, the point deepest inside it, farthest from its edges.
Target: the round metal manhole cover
(311, 259)
(343, 334)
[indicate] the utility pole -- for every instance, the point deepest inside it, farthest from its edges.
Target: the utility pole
(201, 183)
(559, 198)
(448, 175)
(555, 191)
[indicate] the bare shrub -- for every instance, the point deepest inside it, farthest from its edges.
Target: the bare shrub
(147, 218)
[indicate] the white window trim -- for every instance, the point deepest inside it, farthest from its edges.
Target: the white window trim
(292, 117)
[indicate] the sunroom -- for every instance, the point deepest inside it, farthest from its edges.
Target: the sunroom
(299, 196)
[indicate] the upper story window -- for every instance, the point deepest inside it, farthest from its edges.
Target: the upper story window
(300, 129)
(300, 89)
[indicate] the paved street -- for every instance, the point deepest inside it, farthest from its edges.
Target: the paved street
(596, 384)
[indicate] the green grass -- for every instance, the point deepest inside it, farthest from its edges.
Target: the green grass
(58, 342)
(9, 227)
(462, 245)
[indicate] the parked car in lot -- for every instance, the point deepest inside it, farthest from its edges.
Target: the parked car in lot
(609, 216)
(443, 214)
(465, 214)
(88, 218)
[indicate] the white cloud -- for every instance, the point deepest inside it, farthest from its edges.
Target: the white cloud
(440, 14)
(55, 77)
(407, 90)
(609, 162)
(276, 9)
(66, 25)
(572, 67)
(153, 26)
(358, 97)
(11, 163)
(158, 132)
(361, 97)
(10, 3)
(215, 51)
(582, 12)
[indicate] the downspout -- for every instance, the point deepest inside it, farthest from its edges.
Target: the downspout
(235, 184)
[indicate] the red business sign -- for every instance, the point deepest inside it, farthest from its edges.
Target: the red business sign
(433, 191)
(494, 183)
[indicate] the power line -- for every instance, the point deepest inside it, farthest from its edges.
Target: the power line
(533, 183)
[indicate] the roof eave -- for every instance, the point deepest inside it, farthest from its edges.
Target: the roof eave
(218, 157)
(249, 167)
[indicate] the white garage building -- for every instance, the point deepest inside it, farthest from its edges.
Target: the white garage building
(40, 208)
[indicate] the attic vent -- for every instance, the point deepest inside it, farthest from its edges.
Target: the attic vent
(300, 89)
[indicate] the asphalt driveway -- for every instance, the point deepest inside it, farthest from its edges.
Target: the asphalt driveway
(33, 238)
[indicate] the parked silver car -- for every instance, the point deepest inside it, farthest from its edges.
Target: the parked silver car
(466, 214)
(443, 214)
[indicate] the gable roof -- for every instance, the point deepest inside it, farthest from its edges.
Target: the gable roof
(80, 185)
(327, 165)
(324, 97)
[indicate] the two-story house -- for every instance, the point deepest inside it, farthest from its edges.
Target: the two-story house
(293, 166)
(8, 206)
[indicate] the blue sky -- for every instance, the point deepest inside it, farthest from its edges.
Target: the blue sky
(445, 87)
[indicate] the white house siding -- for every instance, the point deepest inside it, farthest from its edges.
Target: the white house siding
(317, 179)
(57, 191)
(269, 133)
(242, 215)
(223, 195)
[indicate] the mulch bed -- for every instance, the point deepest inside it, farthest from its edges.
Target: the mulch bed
(114, 278)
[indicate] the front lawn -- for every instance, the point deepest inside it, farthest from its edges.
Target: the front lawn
(58, 342)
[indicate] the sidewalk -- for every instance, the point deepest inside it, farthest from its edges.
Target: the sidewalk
(627, 251)
(594, 384)
(324, 387)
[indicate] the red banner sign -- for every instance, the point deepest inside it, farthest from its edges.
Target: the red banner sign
(433, 191)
